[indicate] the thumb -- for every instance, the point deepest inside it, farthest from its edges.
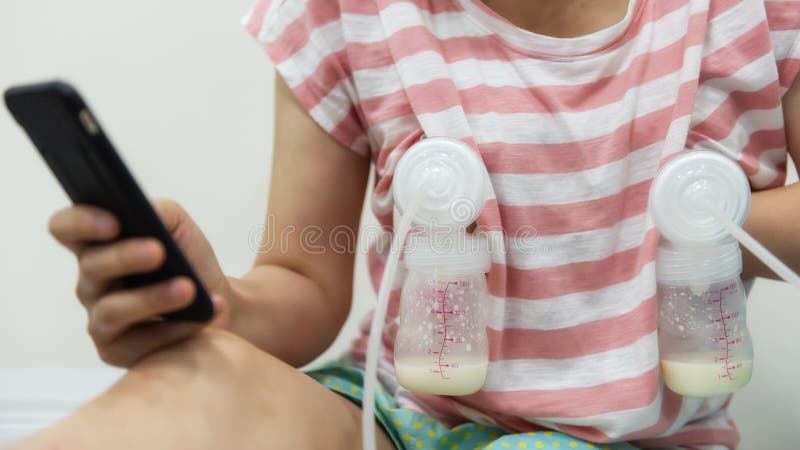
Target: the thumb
(170, 212)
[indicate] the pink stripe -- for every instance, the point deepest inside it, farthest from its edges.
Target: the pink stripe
(445, 408)
(330, 71)
(743, 50)
(721, 123)
(783, 15)
(572, 342)
(296, 34)
(720, 436)
(501, 157)
(497, 280)
(717, 7)
(758, 142)
(762, 140)
(412, 40)
(789, 68)
(619, 395)
(645, 13)
(556, 281)
(513, 423)
(256, 19)
(670, 409)
(572, 217)
(511, 99)
(425, 5)
(385, 182)
(348, 130)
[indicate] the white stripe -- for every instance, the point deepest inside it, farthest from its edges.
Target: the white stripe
(513, 189)
(535, 252)
(322, 42)
(574, 309)
(332, 109)
(712, 406)
(444, 25)
(749, 122)
(447, 122)
(526, 72)
(768, 162)
(469, 73)
(389, 133)
(719, 422)
(362, 145)
(248, 15)
(756, 75)
(279, 16)
(547, 44)
(473, 415)
(689, 407)
(732, 24)
(618, 423)
(368, 28)
(330, 38)
(545, 128)
(585, 371)
(783, 41)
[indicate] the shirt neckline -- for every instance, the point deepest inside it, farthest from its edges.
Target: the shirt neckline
(530, 42)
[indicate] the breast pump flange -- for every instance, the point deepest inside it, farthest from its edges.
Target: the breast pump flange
(704, 345)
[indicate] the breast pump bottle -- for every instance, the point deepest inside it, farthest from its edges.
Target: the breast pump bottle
(705, 348)
(441, 344)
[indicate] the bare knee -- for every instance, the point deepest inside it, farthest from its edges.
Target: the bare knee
(214, 364)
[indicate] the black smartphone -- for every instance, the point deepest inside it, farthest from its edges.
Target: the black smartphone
(78, 152)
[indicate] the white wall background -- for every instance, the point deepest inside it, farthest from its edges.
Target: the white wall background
(187, 97)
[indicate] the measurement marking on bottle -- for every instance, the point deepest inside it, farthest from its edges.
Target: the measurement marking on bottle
(444, 329)
(725, 339)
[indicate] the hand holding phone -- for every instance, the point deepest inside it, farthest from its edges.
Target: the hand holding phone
(145, 273)
(121, 320)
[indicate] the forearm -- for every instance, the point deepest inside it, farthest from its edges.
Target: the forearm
(285, 313)
(774, 220)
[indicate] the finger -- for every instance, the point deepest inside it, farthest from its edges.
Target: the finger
(75, 226)
(131, 256)
(222, 312)
(113, 314)
(143, 340)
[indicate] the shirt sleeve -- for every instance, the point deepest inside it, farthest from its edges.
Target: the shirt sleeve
(737, 109)
(306, 42)
(783, 18)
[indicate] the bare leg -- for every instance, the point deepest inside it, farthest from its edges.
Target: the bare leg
(215, 391)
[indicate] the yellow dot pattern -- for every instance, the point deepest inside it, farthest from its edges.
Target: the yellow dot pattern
(412, 430)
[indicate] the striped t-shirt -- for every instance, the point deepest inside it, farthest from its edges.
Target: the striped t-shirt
(572, 132)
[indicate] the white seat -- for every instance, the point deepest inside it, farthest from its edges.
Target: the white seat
(32, 399)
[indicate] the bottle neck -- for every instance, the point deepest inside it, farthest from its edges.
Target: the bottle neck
(684, 265)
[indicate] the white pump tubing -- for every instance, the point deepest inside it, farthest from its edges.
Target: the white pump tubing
(772, 261)
(376, 328)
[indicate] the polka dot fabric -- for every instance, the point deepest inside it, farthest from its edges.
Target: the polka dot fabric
(410, 430)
